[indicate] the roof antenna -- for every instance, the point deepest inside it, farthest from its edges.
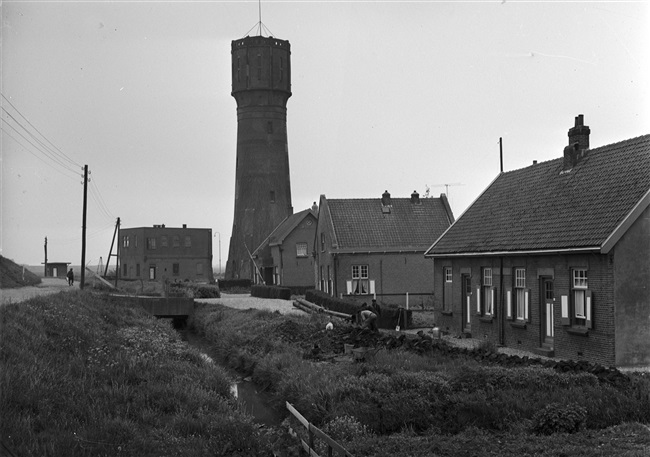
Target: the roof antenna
(259, 10)
(261, 28)
(501, 152)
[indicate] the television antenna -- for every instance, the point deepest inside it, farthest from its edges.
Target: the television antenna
(447, 186)
(260, 25)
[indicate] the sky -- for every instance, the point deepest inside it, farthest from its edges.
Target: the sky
(396, 96)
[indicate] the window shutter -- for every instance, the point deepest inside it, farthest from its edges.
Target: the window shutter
(527, 305)
(478, 300)
(349, 285)
(494, 305)
(589, 309)
(372, 287)
(509, 304)
(566, 320)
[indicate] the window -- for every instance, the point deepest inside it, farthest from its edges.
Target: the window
(125, 241)
(276, 276)
(521, 294)
(135, 241)
(360, 279)
(176, 241)
(487, 292)
(176, 268)
(163, 241)
(188, 242)
(151, 243)
(199, 269)
(322, 280)
(272, 196)
(152, 272)
(301, 249)
(447, 288)
(330, 289)
(580, 296)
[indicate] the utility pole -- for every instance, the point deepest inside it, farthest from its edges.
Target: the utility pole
(83, 230)
(110, 253)
(45, 272)
(501, 152)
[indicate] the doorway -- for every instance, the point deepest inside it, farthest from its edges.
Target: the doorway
(547, 294)
(466, 284)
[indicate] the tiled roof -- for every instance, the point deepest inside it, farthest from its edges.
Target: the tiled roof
(361, 223)
(541, 208)
(284, 228)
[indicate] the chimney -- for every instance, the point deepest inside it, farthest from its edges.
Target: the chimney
(578, 143)
(385, 202)
(415, 197)
(184, 225)
(314, 207)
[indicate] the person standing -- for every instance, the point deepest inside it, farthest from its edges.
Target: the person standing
(70, 277)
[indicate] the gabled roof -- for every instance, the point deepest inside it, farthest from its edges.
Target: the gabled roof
(283, 229)
(542, 208)
(362, 224)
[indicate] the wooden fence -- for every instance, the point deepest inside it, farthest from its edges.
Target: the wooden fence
(314, 432)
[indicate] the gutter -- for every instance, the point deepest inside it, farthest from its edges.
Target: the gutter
(513, 253)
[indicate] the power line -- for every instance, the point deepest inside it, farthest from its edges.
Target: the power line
(57, 150)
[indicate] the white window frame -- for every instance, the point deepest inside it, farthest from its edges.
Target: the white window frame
(301, 249)
(488, 291)
(360, 281)
(580, 284)
(520, 293)
(448, 274)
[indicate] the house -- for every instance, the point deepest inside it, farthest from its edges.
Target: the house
(373, 247)
(56, 269)
(285, 257)
(162, 253)
(555, 257)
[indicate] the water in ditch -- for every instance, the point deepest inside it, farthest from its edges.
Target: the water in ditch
(253, 400)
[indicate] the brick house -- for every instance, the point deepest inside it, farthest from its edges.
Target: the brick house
(285, 256)
(162, 253)
(555, 257)
(374, 247)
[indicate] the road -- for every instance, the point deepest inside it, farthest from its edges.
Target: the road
(47, 286)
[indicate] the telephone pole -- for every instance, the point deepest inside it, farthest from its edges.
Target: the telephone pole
(83, 230)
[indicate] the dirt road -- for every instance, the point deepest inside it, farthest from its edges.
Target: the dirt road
(48, 286)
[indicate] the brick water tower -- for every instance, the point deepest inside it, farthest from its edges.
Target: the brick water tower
(261, 85)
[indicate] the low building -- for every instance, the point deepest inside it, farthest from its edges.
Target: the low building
(555, 257)
(374, 247)
(285, 257)
(56, 269)
(162, 253)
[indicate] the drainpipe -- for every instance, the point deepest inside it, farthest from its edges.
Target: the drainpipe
(334, 273)
(502, 313)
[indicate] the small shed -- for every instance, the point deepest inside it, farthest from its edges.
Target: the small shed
(56, 269)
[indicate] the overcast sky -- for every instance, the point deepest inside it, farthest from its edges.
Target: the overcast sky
(391, 96)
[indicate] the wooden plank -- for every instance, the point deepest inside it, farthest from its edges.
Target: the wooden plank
(323, 436)
(310, 452)
(297, 415)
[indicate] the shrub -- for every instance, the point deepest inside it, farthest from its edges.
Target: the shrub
(558, 418)
(260, 291)
(234, 284)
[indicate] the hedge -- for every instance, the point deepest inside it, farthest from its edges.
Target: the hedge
(260, 291)
(389, 317)
(227, 284)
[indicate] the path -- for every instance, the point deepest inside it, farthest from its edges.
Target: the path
(47, 286)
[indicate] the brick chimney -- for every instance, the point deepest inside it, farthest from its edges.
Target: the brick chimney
(415, 197)
(385, 202)
(578, 143)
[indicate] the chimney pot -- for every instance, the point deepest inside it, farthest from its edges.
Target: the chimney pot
(184, 225)
(415, 197)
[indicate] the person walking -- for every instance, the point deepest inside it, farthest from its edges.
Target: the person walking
(70, 277)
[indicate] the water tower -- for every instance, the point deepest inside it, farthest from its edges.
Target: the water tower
(261, 85)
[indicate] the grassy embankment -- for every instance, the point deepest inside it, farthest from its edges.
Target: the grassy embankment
(13, 275)
(83, 375)
(434, 404)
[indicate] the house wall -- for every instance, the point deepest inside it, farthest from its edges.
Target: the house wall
(297, 271)
(163, 258)
(596, 344)
(632, 293)
(394, 275)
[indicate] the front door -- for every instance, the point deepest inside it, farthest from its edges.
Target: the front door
(55, 272)
(546, 311)
(466, 284)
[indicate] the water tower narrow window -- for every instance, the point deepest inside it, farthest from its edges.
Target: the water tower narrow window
(272, 196)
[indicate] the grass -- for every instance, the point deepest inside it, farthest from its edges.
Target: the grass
(13, 275)
(84, 375)
(403, 404)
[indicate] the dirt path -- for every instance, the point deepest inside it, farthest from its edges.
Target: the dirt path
(245, 301)
(47, 286)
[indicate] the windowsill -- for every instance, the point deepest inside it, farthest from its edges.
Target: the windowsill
(486, 319)
(447, 313)
(580, 331)
(519, 324)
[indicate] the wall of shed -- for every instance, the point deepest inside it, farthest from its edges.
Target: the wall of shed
(632, 293)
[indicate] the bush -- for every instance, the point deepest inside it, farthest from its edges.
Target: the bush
(260, 291)
(234, 284)
(557, 418)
